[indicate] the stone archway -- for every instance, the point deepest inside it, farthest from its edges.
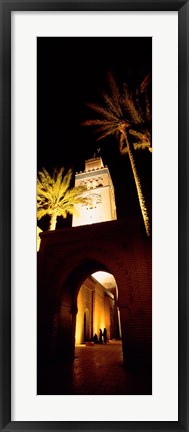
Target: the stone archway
(65, 312)
(67, 257)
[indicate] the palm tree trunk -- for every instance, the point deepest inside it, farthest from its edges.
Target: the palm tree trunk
(141, 198)
(53, 221)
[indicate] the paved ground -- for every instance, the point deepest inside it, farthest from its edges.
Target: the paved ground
(97, 370)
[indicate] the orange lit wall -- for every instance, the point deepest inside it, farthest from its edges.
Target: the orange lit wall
(84, 304)
(99, 303)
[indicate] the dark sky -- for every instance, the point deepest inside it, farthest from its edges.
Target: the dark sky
(70, 73)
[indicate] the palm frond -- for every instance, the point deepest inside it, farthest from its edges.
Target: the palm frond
(132, 110)
(145, 83)
(41, 212)
(144, 137)
(115, 93)
(114, 108)
(121, 111)
(53, 194)
(140, 145)
(148, 112)
(103, 111)
(106, 133)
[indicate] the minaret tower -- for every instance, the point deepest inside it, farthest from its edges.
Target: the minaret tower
(99, 189)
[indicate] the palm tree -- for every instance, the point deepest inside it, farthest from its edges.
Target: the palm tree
(124, 115)
(54, 198)
(140, 114)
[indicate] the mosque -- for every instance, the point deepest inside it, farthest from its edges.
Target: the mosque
(95, 275)
(97, 305)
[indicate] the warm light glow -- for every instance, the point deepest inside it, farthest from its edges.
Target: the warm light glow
(94, 304)
(94, 163)
(105, 279)
(99, 192)
(39, 230)
(119, 322)
(79, 326)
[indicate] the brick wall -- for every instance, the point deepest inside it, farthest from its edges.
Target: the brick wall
(67, 257)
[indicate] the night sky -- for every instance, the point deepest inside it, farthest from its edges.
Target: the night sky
(70, 73)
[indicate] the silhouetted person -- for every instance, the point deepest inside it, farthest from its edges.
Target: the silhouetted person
(100, 336)
(105, 335)
(95, 338)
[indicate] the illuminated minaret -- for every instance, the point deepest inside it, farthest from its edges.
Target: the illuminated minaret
(99, 190)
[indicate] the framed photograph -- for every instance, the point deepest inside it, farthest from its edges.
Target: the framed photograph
(94, 215)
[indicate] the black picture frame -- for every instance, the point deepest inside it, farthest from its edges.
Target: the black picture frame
(6, 7)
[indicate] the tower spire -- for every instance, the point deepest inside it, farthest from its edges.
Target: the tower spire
(99, 190)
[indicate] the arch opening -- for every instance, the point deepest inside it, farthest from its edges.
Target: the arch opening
(87, 301)
(97, 318)
(61, 343)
